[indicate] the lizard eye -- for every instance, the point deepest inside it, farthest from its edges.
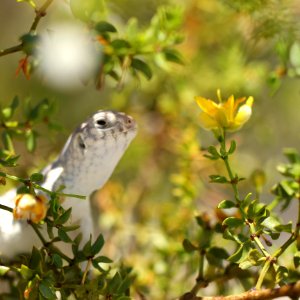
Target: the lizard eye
(102, 123)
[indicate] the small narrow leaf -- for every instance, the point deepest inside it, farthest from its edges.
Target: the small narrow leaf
(297, 259)
(142, 67)
(37, 177)
(188, 246)
(30, 140)
(232, 147)
(102, 27)
(64, 217)
(26, 272)
(47, 291)
(97, 246)
(218, 179)
(63, 236)
(57, 260)
(173, 56)
(226, 204)
(7, 141)
(3, 270)
(232, 222)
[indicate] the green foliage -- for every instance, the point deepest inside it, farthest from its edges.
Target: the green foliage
(243, 240)
(41, 274)
(26, 129)
(253, 226)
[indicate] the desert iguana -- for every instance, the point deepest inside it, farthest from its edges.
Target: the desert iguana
(84, 165)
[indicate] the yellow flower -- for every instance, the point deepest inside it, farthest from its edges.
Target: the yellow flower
(228, 115)
(30, 207)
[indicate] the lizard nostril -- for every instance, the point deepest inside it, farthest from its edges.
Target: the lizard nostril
(128, 121)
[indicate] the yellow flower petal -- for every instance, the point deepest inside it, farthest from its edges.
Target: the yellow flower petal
(243, 115)
(229, 115)
(206, 105)
(207, 122)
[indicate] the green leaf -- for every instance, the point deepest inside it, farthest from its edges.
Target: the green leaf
(102, 27)
(57, 260)
(285, 227)
(35, 258)
(118, 44)
(97, 246)
(125, 284)
(173, 56)
(142, 67)
(71, 228)
(37, 177)
(296, 259)
(31, 140)
(87, 248)
(232, 222)
(241, 253)
(64, 217)
(226, 204)
(47, 291)
(216, 255)
(282, 273)
(275, 225)
(218, 179)
(76, 243)
(188, 246)
(295, 54)
(3, 270)
(26, 272)
(6, 112)
(63, 236)
(214, 154)
(7, 141)
(232, 147)
(102, 259)
(271, 223)
(253, 259)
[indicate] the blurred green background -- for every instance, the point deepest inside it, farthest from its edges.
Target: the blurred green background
(147, 208)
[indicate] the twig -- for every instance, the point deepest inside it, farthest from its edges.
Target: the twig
(6, 208)
(11, 50)
(290, 290)
(48, 245)
(39, 13)
(86, 271)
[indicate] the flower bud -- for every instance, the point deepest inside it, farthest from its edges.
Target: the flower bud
(30, 207)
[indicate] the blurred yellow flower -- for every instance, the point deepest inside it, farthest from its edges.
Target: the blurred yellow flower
(228, 115)
(30, 207)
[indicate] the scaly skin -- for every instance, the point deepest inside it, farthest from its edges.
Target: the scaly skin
(84, 165)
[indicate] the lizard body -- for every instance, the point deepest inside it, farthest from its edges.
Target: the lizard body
(84, 165)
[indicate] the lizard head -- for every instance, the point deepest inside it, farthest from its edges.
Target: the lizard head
(93, 150)
(108, 128)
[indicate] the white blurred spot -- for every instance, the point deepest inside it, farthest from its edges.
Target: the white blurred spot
(68, 56)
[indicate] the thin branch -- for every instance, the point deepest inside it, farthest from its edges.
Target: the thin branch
(6, 208)
(39, 13)
(289, 290)
(47, 245)
(88, 266)
(11, 50)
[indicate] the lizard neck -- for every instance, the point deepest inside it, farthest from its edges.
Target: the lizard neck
(84, 174)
